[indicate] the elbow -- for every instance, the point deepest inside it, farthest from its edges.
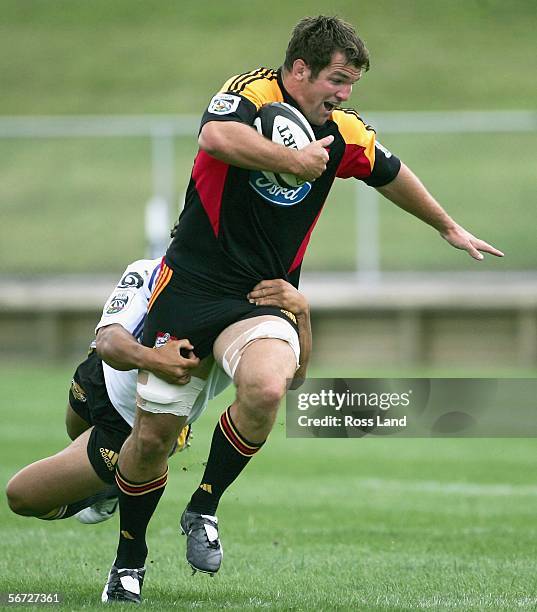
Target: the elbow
(102, 342)
(117, 347)
(210, 140)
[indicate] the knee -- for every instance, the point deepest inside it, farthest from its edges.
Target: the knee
(259, 393)
(17, 499)
(151, 445)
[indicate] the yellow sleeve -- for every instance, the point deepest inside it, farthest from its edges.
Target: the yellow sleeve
(259, 86)
(355, 132)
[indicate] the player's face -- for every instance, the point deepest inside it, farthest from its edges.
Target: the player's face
(330, 88)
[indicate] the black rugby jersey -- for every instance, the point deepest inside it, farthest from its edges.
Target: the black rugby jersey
(237, 228)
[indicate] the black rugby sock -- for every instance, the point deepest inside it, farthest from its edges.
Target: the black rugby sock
(229, 455)
(137, 502)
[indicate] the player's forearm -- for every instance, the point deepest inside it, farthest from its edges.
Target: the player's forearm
(305, 339)
(409, 193)
(240, 145)
(120, 350)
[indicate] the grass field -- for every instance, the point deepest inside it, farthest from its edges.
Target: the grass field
(83, 207)
(325, 524)
(80, 202)
(72, 56)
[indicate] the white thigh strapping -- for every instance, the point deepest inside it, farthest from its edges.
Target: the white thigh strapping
(278, 329)
(158, 396)
(216, 382)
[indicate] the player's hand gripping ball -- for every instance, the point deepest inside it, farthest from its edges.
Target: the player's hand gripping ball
(285, 125)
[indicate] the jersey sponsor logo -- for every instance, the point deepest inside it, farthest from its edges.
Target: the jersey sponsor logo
(224, 104)
(386, 152)
(77, 391)
(118, 302)
(275, 194)
(131, 280)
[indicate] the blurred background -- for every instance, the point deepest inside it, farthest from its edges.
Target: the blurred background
(99, 113)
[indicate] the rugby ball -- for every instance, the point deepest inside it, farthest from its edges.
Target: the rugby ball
(285, 125)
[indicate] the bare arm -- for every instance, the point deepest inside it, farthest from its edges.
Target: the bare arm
(120, 350)
(278, 292)
(239, 145)
(409, 193)
(305, 339)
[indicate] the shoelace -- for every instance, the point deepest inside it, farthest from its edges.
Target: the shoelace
(200, 526)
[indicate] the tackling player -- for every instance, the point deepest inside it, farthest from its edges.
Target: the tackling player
(79, 480)
(100, 413)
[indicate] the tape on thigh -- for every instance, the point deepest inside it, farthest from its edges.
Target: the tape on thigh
(278, 329)
(156, 395)
(216, 382)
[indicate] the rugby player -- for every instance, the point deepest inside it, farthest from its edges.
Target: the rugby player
(230, 236)
(79, 480)
(100, 413)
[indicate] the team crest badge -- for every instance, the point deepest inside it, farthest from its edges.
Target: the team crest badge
(131, 279)
(162, 338)
(118, 302)
(224, 104)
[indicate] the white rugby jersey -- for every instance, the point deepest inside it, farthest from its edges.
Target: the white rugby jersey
(127, 306)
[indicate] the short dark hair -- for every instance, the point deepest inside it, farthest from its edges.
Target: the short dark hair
(316, 39)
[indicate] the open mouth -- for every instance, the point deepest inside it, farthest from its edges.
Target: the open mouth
(329, 106)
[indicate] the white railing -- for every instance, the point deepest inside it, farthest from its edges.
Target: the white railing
(162, 129)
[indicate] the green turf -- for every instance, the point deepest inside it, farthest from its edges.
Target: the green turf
(134, 56)
(312, 524)
(80, 203)
(82, 208)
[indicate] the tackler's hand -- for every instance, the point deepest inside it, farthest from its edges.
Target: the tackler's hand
(174, 360)
(278, 292)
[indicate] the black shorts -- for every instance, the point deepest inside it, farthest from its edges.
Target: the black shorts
(89, 399)
(199, 318)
